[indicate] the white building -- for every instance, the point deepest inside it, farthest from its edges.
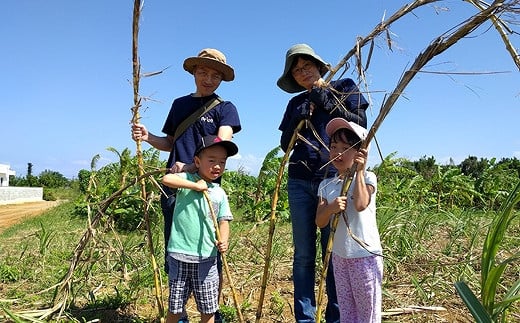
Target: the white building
(12, 194)
(5, 172)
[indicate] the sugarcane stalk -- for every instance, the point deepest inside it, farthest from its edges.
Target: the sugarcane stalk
(272, 221)
(224, 259)
(62, 290)
(499, 26)
(438, 46)
(136, 70)
(380, 28)
(328, 251)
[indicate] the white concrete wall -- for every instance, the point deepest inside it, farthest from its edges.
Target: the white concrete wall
(14, 194)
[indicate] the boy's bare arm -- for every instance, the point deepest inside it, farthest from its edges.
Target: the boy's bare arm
(223, 243)
(175, 181)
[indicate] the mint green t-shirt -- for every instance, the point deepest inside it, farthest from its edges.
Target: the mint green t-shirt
(193, 233)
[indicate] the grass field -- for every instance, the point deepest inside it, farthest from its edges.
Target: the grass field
(426, 253)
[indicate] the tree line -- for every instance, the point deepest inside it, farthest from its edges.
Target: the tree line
(477, 183)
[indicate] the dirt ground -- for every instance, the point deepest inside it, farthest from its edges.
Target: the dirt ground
(14, 213)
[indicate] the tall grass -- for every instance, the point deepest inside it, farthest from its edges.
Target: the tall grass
(494, 262)
(35, 255)
(426, 251)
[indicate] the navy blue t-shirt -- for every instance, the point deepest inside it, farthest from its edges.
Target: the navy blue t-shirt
(307, 160)
(224, 114)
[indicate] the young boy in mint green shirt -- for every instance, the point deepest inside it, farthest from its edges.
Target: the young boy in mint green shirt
(192, 247)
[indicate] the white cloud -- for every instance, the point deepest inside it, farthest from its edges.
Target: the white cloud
(250, 164)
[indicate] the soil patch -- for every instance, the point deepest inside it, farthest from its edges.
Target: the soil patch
(15, 213)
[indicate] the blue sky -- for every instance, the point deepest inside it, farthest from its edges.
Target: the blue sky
(67, 66)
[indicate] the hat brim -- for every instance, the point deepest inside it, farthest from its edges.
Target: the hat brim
(228, 74)
(230, 147)
(340, 123)
(287, 82)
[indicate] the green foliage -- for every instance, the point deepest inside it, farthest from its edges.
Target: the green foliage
(496, 182)
(48, 179)
(48, 195)
(426, 216)
(266, 185)
(403, 230)
(17, 181)
(473, 167)
(239, 188)
(229, 313)
(448, 184)
(83, 179)
(8, 274)
(31, 180)
(69, 193)
(426, 167)
(45, 238)
(277, 303)
(493, 268)
(400, 185)
(52, 179)
(125, 212)
(115, 300)
(424, 184)
(251, 197)
(115, 269)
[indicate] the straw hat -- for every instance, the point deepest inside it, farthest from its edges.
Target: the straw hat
(287, 82)
(211, 58)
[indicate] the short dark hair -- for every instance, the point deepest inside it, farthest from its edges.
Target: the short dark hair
(346, 136)
(306, 57)
(321, 68)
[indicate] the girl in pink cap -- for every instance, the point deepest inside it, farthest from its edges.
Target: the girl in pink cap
(358, 263)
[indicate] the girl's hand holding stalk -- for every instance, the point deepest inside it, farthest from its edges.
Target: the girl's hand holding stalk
(361, 159)
(326, 210)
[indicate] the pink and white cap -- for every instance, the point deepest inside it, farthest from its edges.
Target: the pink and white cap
(340, 123)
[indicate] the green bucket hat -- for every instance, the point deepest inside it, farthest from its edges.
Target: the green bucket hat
(287, 82)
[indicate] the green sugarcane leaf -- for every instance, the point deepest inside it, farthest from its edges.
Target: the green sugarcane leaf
(472, 303)
(513, 290)
(12, 315)
(502, 306)
(497, 231)
(511, 296)
(489, 287)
